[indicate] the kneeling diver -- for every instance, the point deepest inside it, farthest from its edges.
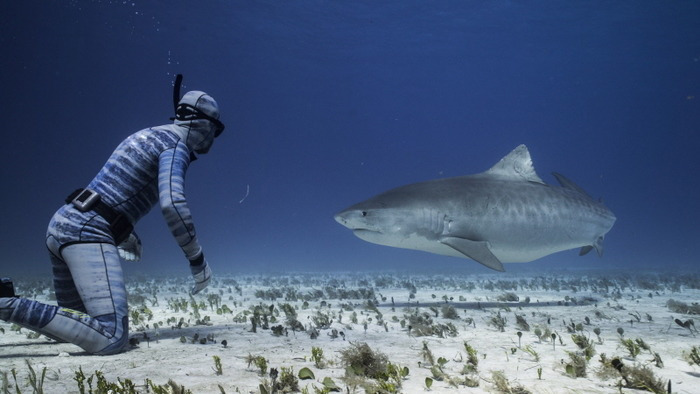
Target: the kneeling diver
(87, 235)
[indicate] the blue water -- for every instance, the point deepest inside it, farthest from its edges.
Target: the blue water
(327, 103)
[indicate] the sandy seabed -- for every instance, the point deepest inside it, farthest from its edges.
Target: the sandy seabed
(420, 322)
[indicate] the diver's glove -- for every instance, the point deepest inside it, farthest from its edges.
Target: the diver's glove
(200, 272)
(130, 249)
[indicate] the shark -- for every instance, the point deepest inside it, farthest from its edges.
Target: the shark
(506, 214)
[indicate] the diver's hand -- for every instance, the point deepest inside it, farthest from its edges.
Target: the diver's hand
(201, 274)
(130, 249)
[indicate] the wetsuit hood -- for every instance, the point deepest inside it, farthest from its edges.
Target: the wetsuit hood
(198, 113)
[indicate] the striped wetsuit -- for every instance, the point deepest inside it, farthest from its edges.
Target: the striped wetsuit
(147, 167)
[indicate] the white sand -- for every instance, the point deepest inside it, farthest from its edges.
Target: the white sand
(192, 365)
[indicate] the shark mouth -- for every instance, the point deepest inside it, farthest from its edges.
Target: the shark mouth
(360, 231)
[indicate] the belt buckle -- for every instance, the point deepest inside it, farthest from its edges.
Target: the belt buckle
(86, 200)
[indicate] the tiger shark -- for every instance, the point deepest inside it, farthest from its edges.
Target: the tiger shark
(506, 214)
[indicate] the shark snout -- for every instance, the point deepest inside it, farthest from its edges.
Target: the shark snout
(339, 218)
(342, 217)
(354, 220)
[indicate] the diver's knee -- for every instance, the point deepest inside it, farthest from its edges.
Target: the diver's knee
(119, 341)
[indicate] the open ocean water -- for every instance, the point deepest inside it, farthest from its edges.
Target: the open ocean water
(328, 103)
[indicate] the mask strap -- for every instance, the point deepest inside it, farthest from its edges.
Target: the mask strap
(190, 112)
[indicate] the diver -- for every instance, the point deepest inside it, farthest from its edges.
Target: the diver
(87, 235)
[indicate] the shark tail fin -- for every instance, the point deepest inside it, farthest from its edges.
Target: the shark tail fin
(598, 245)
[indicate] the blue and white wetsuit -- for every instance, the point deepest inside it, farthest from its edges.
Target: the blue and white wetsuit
(147, 167)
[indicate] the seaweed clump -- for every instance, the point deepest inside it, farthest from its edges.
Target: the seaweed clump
(576, 367)
(504, 386)
(682, 307)
(363, 361)
(693, 356)
(421, 324)
(638, 377)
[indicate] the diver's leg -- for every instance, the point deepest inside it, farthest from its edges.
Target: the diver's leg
(66, 294)
(97, 275)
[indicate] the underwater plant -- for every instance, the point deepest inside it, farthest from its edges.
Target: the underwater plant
(278, 330)
(321, 320)
(36, 382)
(508, 297)
(542, 335)
(317, 357)
(449, 312)
(472, 359)
(498, 321)
(584, 344)
(259, 361)
(638, 377)
(371, 370)
(531, 351)
(217, 365)
(503, 385)
(682, 307)
(596, 331)
(363, 361)
(632, 347)
(125, 386)
(427, 354)
(283, 381)
(693, 356)
(521, 322)
(576, 367)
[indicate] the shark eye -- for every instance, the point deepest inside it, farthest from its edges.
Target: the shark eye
(364, 213)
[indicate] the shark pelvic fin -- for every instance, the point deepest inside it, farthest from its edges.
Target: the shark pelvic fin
(585, 250)
(476, 250)
(598, 245)
(516, 165)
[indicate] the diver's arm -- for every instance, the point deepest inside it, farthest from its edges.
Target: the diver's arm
(172, 167)
(171, 188)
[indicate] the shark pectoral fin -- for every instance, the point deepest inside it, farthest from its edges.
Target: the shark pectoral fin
(475, 250)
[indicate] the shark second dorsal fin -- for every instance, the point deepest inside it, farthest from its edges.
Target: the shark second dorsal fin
(516, 165)
(568, 184)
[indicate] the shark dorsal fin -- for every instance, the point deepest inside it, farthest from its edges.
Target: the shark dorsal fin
(516, 165)
(568, 184)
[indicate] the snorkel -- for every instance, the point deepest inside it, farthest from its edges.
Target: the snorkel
(199, 112)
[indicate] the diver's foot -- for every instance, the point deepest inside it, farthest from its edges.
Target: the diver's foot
(6, 288)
